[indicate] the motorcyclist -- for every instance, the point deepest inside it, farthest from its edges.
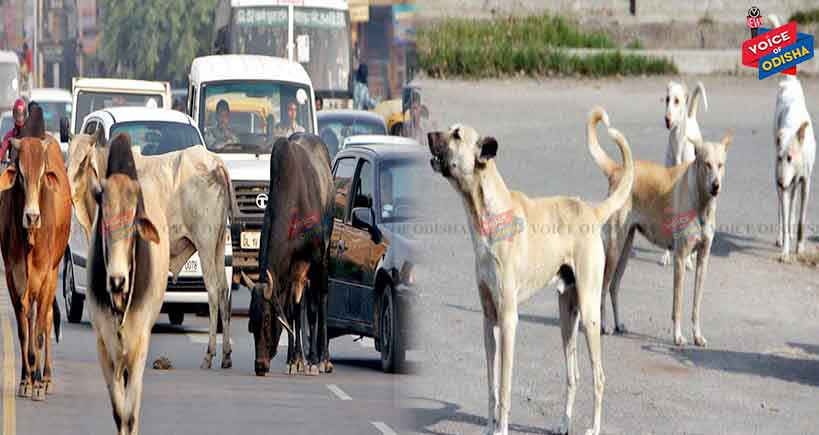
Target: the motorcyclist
(19, 113)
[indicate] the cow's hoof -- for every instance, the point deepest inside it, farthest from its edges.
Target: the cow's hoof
(24, 390)
(292, 369)
(206, 363)
(312, 370)
(785, 258)
(227, 362)
(326, 367)
(700, 341)
(261, 369)
(49, 387)
(38, 394)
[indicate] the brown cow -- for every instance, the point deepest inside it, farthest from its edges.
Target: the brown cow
(35, 202)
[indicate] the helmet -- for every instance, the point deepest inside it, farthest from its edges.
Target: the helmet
(19, 112)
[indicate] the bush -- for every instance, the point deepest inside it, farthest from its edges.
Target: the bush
(530, 45)
(805, 17)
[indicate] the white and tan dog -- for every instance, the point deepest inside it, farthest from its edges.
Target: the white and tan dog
(522, 245)
(674, 208)
(681, 121)
(795, 156)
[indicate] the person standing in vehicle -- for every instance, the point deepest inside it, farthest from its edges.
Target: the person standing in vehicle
(361, 92)
(19, 115)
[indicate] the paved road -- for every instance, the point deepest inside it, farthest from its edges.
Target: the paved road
(760, 373)
(358, 399)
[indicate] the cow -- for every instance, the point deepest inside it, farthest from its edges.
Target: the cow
(296, 233)
(35, 204)
(197, 200)
(127, 275)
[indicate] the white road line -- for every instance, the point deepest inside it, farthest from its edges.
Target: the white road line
(383, 428)
(338, 392)
(203, 338)
(9, 417)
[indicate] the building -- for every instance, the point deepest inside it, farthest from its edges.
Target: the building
(384, 38)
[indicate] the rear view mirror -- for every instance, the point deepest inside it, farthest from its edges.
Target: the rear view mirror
(64, 134)
(364, 219)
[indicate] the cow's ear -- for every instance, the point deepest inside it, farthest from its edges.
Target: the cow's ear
(51, 180)
(7, 178)
(146, 229)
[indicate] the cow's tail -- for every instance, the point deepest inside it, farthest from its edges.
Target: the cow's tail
(623, 190)
(699, 91)
(55, 309)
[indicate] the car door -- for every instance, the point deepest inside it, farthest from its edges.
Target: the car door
(343, 178)
(352, 251)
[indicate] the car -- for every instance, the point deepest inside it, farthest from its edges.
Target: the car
(91, 94)
(370, 139)
(372, 255)
(57, 105)
(9, 74)
(6, 121)
(337, 125)
(153, 132)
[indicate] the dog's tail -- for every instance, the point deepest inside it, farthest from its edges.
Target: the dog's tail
(695, 100)
(621, 193)
(600, 157)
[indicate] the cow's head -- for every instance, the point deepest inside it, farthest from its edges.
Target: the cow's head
(31, 173)
(122, 219)
(266, 321)
(86, 163)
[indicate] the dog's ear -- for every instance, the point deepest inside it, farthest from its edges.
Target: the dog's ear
(489, 148)
(728, 139)
(800, 134)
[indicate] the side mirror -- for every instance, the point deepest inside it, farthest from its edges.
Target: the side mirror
(364, 219)
(64, 134)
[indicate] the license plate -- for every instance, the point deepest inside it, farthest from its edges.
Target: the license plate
(191, 266)
(251, 240)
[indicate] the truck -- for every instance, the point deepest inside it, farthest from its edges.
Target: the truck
(314, 33)
(242, 104)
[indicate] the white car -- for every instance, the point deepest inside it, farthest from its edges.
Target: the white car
(57, 109)
(153, 131)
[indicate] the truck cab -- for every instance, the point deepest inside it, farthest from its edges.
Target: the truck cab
(92, 94)
(242, 104)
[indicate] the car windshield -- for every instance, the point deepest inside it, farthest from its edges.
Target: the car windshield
(321, 37)
(333, 130)
(400, 190)
(158, 137)
(53, 111)
(8, 84)
(248, 117)
(88, 102)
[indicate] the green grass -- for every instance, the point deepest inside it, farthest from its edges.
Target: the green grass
(635, 44)
(805, 17)
(532, 45)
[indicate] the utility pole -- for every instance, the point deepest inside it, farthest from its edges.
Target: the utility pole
(35, 51)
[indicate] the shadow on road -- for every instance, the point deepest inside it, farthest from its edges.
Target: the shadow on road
(531, 318)
(726, 243)
(450, 413)
(800, 371)
(808, 348)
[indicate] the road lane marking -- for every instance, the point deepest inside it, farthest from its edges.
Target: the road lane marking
(9, 417)
(383, 428)
(338, 392)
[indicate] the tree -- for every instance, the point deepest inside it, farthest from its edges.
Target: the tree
(154, 39)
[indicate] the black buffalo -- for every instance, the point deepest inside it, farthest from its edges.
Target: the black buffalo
(293, 258)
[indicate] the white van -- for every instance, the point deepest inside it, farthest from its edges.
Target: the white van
(242, 104)
(90, 95)
(57, 105)
(9, 79)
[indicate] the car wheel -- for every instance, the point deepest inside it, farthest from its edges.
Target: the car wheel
(74, 301)
(392, 350)
(176, 317)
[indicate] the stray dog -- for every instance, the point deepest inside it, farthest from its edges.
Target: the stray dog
(522, 245)
(681, 121)
(674, 208)
(795, 155)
